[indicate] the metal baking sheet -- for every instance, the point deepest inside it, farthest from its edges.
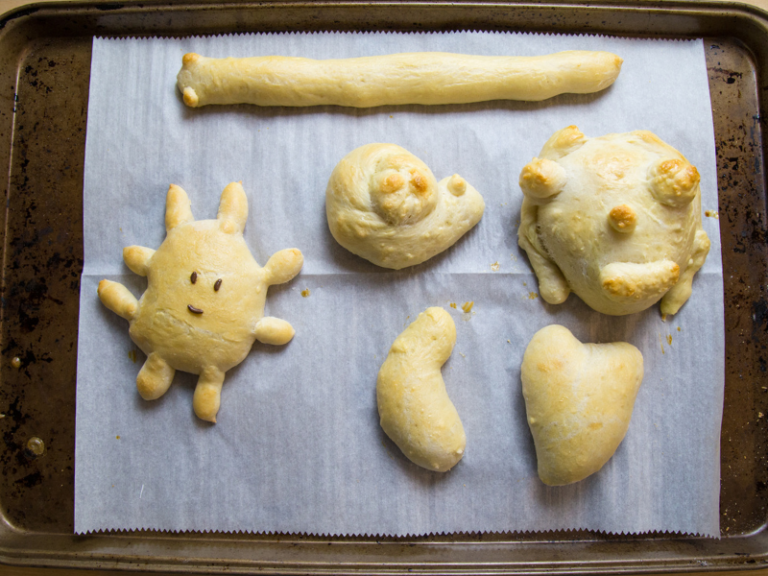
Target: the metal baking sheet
(44, 74)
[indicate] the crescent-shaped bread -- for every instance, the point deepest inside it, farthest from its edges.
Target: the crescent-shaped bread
(411, 78)
(579, 400)
(385, 205)
(615, 219)
(414, 408)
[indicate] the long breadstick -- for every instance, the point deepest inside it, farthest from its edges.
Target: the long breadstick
(412, 78)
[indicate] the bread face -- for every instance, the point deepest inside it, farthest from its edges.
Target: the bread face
(414, 408)
(394, 79)
(204, 303)
(615, 219)
(385, 205)
(579, 400)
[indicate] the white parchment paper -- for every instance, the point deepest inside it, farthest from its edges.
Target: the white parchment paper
(298, 447)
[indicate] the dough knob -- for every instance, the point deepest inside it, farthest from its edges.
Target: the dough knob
(622, 218)
(673, 181)
(190, 58)
(190, 97)
(542, 179)
(391, 182)
(562, 143)
(457, 185)
(403, 194)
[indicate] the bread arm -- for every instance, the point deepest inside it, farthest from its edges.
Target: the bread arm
(394, 79)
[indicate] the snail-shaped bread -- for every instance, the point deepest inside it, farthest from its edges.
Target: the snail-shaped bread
(384, 204)
(616, 219)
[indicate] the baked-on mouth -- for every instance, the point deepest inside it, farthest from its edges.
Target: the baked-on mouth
(194, 310)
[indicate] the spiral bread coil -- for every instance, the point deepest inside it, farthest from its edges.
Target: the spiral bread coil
(385, 205)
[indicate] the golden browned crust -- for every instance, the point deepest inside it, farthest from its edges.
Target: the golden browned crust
(622, 218)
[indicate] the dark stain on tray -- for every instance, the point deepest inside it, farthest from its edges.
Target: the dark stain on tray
(744, 232)
(40, 297)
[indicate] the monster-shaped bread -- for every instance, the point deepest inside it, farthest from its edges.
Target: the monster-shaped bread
(204, 303)
(414, 407)
(411, 78)
(579, 400)
(384, 204)
(616, 219)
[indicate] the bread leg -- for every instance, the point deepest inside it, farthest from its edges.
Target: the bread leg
(154, 378)
(207, 397)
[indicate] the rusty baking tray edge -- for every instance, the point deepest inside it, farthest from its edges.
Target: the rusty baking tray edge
(32, 29)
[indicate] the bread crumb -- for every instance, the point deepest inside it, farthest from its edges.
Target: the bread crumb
(453, 305)
(305, 293)
(467, 307)
(495, 266)
(712, 214)
(532, 295)
(669, 339)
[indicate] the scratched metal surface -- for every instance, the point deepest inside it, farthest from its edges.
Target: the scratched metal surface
(44, 74)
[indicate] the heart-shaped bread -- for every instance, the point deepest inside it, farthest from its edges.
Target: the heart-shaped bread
(579, 400)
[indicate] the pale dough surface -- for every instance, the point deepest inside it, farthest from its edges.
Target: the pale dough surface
(384, 204)
(579, 400)
(204, 303)
(615, 219)
(410, 78)
(414, 407)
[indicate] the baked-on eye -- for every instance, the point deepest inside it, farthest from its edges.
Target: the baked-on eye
(193, 278)
(217, 285)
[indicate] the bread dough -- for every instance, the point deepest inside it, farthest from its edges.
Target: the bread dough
(204, 303)
(384, 204)
(579, 400)
(415, 78)
(616, 219)
(414, 407)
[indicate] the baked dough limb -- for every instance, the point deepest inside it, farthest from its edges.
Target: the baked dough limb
(414, 407)
(409, 78)
(615, 219)
(204, 303)
(579, 400)
(385, 205)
